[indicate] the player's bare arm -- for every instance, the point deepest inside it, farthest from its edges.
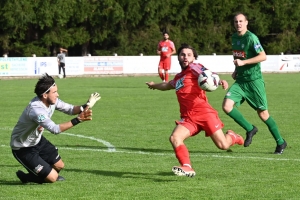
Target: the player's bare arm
(261, 56)
(85, 115)
(62, 49)
(170, 54)
(159, 86)
(84, 112)
(224, 84)
(77, 110)
(158, 51)
(173, 52)
(233, 75)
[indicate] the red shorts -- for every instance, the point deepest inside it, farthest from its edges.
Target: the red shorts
(165, 65)
(209, 122)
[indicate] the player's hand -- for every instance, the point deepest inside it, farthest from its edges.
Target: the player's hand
(150, 85)
(238, 63)
(224, 84)
(85, 115)
(93, 99)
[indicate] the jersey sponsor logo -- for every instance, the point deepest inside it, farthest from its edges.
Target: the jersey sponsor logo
(38, 168)
(239, 54)
(257, 46)
(164, 49)
(41, 118)
(179, 84)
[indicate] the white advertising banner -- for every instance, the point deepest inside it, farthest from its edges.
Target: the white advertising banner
(103, 65)
(74, 66)
(15, 66)
(45, 65)
(91, 65)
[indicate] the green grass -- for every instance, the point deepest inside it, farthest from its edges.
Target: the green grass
(137, 122)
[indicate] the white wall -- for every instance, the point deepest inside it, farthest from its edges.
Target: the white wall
(30, 66)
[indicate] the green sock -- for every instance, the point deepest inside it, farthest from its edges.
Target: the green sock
(274, 130)
(239, 118)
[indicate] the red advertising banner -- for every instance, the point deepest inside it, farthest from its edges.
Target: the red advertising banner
(103, 65)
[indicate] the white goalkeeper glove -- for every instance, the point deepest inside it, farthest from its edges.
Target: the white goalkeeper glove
(91, 101)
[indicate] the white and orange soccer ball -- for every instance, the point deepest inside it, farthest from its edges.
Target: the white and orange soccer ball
(208, 81)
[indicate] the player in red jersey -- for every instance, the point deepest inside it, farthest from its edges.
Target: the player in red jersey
(195, 112)
(165, 49)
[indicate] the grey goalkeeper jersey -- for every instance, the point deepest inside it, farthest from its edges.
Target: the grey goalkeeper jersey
(35, 118)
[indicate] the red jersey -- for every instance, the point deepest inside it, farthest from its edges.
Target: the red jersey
(192, 99)
(165, 47)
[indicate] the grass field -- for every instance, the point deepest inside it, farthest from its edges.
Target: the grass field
(124, 153)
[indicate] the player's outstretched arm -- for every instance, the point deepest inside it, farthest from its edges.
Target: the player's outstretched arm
(85, 115)
(159, 86)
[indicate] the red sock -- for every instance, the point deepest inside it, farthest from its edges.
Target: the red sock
(167, 77)
(182, 154)
(161, 75)
(232, 138)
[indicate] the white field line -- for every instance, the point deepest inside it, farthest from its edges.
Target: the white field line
(112, 149)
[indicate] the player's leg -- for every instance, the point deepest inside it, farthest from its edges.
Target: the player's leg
(180, 133)
(224, 142)
(64, 69)
(212, 125)
(160, 70)
(167, 66)
(273, 128)
(38, 160)
(38, 169)
(258, 100)
(49, 153)
(166, 75)
(235, 97)
(59, 165)
(59, 68)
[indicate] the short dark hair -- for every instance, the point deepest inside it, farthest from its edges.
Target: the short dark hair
(44, 84)
(165, 32)
(186, 46)
(240, 13)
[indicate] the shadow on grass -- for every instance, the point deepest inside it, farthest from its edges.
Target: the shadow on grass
(6, 182)
(139, 175)
(145, 150)
(229, 152)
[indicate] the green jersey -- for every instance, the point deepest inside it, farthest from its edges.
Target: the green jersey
(245, 47)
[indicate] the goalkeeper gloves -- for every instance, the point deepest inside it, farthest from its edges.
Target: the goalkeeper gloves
(94, 97)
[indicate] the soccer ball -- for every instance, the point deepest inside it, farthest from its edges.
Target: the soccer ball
(60, 76)
(208, 81)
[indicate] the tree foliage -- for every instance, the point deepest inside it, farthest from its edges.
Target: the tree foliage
(132, 27)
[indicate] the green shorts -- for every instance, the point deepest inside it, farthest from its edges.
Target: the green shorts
(253, 92)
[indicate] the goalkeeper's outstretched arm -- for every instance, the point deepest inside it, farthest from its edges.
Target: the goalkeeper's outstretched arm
(85, 115)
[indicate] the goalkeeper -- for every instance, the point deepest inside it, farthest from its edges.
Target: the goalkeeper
(30, 147)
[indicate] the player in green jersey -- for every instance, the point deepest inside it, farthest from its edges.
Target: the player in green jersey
(249, 85)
